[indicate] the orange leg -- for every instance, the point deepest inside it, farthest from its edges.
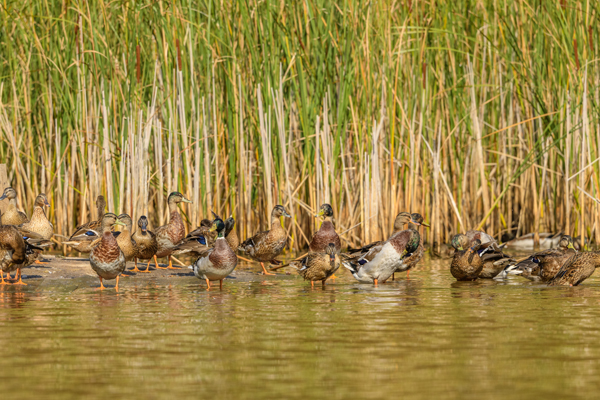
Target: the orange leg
(375, 282)
(312, 284)
(264, 270)
(135, 269)
(171, 264)
(156, 262)
(101, 284)
(2, 282)
(147, 267)
(19, 282)
(39, 262)
(207, 284)
(408, 274)
(117, 285)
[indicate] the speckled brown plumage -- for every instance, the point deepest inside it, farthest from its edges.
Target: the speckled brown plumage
(466, 264)
(318, 266)
(39, 223)
(577, 269)
(267, 245)
(126, 243)
(197, 241)
(217, 263)
(230, 234)
(106, 258)
(81, 240)
(12, 248)
(168, 236)
(544, 265)
(326, 233)
(145, 240)
(12, 215)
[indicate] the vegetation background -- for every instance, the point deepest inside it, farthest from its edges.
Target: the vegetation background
(477, 114)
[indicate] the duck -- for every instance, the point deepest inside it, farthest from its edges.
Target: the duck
(17, 250)
(466, 264)
(577, 269)
(197, 241)
(168, 236)
(146, 244)
(267, 245)
(409, 262)
(326, 233)
(492, 255)
(544, 265)
(400, 221)
(85, 234)
(106, 258)
(230, 234)
(126, 243)
(217, 263)
(317, 266)
(39, 223)
(12, 215)
(381, 261)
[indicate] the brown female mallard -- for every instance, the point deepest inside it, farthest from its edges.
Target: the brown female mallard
(18, 249)
(577, 269)
(317, 266)
(197, 241)
(267, 245)
(39, 223)
(86, 234)
(466, 264)
(409, 262)
(146, 244)
(217, 263)
(12, 216)
(168, 236)
(544, 265)
(124, 239)
(106, 258)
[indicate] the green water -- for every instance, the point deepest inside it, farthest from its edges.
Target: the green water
(423, 338)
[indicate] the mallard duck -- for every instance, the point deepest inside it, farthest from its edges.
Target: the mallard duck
(543, 265)
(86, 234)
(146, 244)
(380, 262)
(494, 260)
(326, 233)
(197, 241)
(124, 239)
(39, 222)
(265, 246)
(230, 234)
(401, 220)
(168, 236)
(12, 216)
(409, 262)
(577, 269)
(18, 251)
(466, 264)
(106, 258)
(317, 266)
(217, 263)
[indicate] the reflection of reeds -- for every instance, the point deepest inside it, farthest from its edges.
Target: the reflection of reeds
(476, 119)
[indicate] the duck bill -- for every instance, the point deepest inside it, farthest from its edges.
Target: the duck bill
(184, 200)
(3, 197)
(320, 213)
(119, 223)
(46, 203)
(213, 228)
(285, 214)
(332, 257)
(426, 225)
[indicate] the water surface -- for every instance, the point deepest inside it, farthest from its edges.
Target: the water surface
(278, 338)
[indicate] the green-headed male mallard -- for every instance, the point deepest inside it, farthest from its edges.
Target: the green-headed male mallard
(577, 269)
(466, 264)
(85, 234)
(106, 258)
(146, 244)
(265, 246)
(317, 266)
(39, 223)
(217, 263)
(12, 216)
(230, 234)
(381, 261)
(168, 236)
(544, 265)
(326, 233)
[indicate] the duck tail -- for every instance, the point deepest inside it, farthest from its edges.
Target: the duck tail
(510, 269)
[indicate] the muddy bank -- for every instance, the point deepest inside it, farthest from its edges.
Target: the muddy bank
(73, 273)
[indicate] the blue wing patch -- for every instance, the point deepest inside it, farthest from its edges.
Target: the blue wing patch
(90, 233)
(201, 240)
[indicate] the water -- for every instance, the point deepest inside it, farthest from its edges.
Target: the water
(278, 338)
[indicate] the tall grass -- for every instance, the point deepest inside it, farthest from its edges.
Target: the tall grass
(475, 114)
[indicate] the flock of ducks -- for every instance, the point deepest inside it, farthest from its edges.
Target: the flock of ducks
(214, 245)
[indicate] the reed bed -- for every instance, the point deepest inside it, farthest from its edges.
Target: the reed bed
(475, 114)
